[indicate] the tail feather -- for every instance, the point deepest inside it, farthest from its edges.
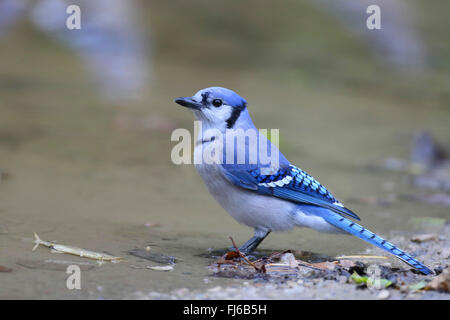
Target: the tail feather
(367, 235)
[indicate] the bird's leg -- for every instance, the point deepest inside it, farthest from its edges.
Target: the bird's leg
(254, 241)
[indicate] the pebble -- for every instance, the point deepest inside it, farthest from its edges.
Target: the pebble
(161, 268)
(425, 237)
(181, 292)
(383, 295)
(288, 259)
(445, 253)
(342, 279)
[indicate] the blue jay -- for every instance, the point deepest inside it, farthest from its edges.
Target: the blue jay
(266, 197)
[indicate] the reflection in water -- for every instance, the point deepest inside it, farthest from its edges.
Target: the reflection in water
(110, 42)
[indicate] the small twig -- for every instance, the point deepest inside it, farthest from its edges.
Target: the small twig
(243, 256)
(361, 257)
(308, 265)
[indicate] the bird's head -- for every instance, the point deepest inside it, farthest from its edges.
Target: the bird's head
(215, 106)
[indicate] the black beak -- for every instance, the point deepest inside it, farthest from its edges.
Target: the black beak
(188, 103)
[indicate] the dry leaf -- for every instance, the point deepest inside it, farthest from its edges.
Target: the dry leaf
(326, 265)
(232, 255)
(441, 282)
(5, 269)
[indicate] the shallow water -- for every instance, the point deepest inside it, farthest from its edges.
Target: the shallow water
(82, 179)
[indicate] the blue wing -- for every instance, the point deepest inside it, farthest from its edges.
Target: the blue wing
(289, 183)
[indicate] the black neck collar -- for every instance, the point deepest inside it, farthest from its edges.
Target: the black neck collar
(203, 141)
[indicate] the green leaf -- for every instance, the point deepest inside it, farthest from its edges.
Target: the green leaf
(357, 278)
(378, 283)
(428, 220)
(418, 286)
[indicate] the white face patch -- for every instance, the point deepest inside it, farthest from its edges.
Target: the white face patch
(211, 116)
(216, 117)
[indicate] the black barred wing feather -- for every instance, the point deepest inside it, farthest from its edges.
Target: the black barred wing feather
(290, 183)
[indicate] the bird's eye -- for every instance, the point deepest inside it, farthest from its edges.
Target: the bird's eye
(217, 103)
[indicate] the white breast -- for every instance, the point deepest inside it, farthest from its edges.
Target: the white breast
(254, 210)
(247, 207)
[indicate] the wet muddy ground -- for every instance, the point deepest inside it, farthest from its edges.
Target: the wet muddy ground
(350, 277)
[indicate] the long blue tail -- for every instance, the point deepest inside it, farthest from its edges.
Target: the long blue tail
(367, 235)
